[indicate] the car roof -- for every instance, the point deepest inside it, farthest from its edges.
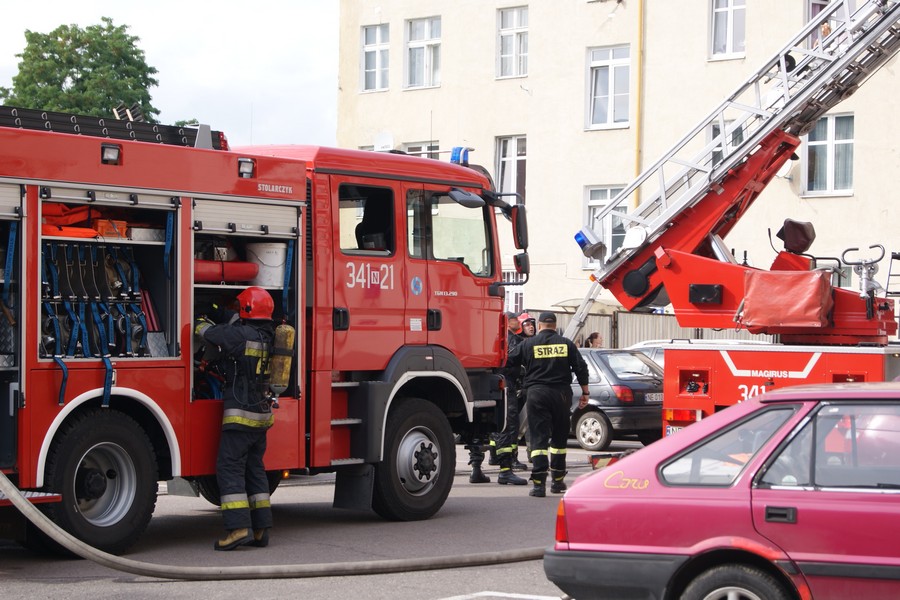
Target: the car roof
(698, 341)
(873, 390)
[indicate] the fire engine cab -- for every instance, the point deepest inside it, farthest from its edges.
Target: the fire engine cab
(116, 235)
(679, 210)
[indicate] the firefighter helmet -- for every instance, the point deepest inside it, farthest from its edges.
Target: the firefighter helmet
(256, 303)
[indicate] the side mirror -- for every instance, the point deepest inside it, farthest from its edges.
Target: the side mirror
(520, 227)
(467, 199)
(522, 263)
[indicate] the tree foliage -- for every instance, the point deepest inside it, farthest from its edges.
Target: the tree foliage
(87, 71)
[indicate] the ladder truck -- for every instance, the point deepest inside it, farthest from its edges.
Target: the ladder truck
(116, 235)
(678, 211)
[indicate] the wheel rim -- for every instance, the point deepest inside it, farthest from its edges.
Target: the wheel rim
(418, 461)
(591, 431)
(105, 484)
(732, 593)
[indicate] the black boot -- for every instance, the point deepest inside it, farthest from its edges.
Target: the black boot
(506, 474)
(516, 465)
(478, 475)
(540, 489)
(476, 457)
(558, 483)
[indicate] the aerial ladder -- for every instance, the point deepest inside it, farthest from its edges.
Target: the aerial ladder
(678, 210)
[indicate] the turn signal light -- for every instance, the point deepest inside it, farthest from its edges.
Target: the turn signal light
(562, 532)
(679, 414)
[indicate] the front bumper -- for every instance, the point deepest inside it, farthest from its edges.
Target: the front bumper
(611, 575)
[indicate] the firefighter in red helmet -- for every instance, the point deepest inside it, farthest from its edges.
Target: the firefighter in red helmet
(245, 342)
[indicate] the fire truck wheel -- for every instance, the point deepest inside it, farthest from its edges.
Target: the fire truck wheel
(593, 431)
(415, 477)
(208, 486)
(104, 466)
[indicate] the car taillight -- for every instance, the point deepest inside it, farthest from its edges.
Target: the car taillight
(562, 532)
(623, 392)
(679, 414)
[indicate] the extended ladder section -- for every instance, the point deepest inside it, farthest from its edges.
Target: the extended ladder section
(43, 120)
(799, 84)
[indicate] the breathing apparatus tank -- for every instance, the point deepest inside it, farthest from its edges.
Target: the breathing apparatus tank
(282, 355)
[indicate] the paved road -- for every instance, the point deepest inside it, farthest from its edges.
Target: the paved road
(475, 518)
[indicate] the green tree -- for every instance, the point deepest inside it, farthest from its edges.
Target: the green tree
(86, 71)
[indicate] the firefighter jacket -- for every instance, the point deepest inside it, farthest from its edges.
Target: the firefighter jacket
(549, 359)
(512, 374)
(246, 346)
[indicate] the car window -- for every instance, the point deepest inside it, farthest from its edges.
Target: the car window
(718, 460)
(843, 446)
(594, 375)
(630, 366)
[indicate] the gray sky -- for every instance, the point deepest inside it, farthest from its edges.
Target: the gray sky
(262, 71)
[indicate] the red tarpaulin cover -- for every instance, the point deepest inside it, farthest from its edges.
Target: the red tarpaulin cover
(786, 299)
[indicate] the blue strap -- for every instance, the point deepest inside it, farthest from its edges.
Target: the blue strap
(65, 379)
(126, 289)
(50, 251)
(57, 346)
(82, 329)
(107, 381)
(127, 328)
(110, 327)
(135, 275)
(136, 309)
(102, 345)
(170, 224)
(10, 251)
(288, 265)
(73, 331)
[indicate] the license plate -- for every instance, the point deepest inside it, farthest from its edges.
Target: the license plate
(653, 397)
(671, 430)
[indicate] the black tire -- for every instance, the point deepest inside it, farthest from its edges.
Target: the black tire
(415, 476)
(649, 436)
(593, 431)
(735, 582)
(103, 465)
(208, 486)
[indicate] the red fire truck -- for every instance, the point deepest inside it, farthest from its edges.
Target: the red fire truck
(118, 234)
(683, 206)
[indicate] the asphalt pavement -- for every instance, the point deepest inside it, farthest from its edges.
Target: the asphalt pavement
(475, 519)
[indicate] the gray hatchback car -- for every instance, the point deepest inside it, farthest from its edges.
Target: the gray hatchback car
(626, 392)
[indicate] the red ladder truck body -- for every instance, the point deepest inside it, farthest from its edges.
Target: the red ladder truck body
(689, 200)
(118, 235)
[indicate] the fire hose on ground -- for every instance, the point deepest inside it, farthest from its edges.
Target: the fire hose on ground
(375, 567)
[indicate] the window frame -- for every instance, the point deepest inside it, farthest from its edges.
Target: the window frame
(423, 149)
(603, 228)
(519, 34)
(613, 67)
(831, 144)
(431, 55)
(503, 163)
(382, 65)
(731, 7)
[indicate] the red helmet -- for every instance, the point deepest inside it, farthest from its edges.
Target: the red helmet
(256, 303)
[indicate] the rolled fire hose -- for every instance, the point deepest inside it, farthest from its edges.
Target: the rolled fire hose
(375, 567)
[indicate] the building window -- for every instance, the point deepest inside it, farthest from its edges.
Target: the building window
(514, 298)
(423, 52)
(511, 166)
(512, 47)
(829, 156)
(813, 9)
(734, 139)
(611, 229)
(423, 149)
(375, 57)
(728, 26)
(610, 72)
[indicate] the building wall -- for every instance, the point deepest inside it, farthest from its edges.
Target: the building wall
(681, 85)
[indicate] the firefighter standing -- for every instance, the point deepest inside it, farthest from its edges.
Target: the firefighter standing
(549, 360)
(245, 344)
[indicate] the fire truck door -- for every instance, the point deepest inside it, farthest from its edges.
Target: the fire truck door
(10, 317)
(369, 280)
(461, 311)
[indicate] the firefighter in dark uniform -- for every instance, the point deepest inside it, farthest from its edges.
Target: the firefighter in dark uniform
(549, 360)
(245, 342)
(506, 441)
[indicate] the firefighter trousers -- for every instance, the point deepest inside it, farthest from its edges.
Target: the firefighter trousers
(507, 440)
(548, 410)
(243, 484)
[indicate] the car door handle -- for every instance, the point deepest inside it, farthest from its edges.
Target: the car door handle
(781, 514)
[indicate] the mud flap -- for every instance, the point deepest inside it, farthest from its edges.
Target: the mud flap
(353, 487)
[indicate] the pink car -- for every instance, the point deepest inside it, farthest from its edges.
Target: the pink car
(793, 494)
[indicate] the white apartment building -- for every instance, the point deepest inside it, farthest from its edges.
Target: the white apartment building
(566, 101)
